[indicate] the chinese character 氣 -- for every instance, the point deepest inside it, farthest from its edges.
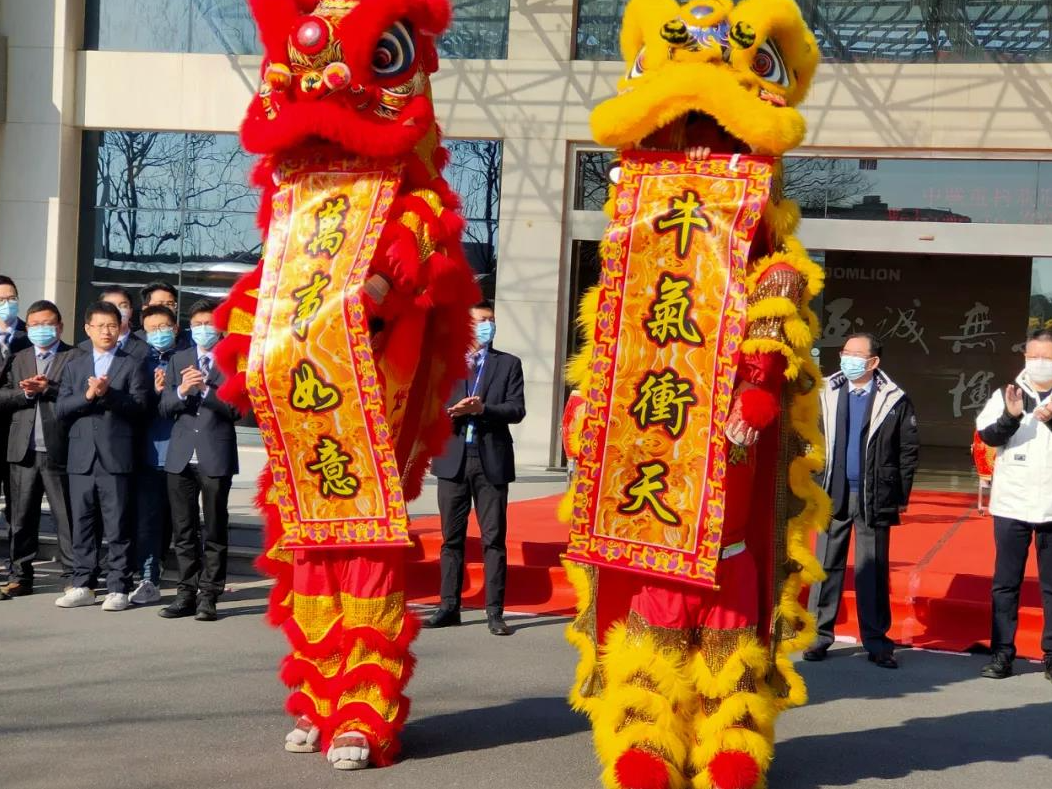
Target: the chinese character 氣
(328, 237)
(906, 326)
(971, 395)
(670, 314)
(333, 467)
(310, 392)
(645, 493)
(308, 302)
(685, 216)
(663, 399)
(975, 330)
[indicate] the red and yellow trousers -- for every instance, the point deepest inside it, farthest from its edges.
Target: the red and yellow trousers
(346, 620)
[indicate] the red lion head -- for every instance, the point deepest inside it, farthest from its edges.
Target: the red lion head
(349, 72)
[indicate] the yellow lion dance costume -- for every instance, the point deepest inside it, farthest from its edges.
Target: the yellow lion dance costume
(693, 503)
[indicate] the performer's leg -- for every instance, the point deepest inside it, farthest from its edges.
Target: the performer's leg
(351, 635)
(642, 721)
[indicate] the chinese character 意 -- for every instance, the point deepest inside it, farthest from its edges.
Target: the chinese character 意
(670, 313)
(971, 394)
(328, 237)
(663, 399)
(646, 491)
(685, 216)
(310, 392)
(308, 302)
(906, 327)
(975, 330)
(332, 465)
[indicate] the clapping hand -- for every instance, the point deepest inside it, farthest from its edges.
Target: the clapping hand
(193, 381)
(469, 406)
(1014, 400)
(1043, 413)
(158, 380)
(97, 387)
(34, 386)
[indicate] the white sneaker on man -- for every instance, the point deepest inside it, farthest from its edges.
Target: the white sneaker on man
(115, 601)
(76, 597)
(145, 593)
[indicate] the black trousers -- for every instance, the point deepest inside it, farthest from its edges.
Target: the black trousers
(455, 497)
(100, 495)
(29, 482)
(200, 548)
(153, 534)
(872, 568)
(1012, 543)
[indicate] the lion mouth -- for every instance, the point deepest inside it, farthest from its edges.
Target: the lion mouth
(695, 130)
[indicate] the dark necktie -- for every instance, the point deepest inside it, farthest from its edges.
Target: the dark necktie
(206, 366)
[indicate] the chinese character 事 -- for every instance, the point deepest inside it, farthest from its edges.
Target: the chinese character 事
(662, 399)
(308, 303)
(685, 217)
(328, 236)
(670, 313)
(645, 493)
(333, 467)
(309, 392)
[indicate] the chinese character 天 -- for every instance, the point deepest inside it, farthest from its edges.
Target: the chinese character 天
(645, 493)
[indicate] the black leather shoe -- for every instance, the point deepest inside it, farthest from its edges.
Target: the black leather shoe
(883, 659)
(497, 625)
(815, 654)
(17, 589)
(1000, 667)
(183, 605)
(1048, 667)
(206, 608)
(443, 617)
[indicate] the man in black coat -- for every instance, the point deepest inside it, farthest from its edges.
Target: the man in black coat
(36, 447)
(102, 397)
(12, 340)
(201, 461)
(477, 465)
(871, 456)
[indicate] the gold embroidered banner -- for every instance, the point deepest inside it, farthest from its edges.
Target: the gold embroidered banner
(649, 492)
(311, 374)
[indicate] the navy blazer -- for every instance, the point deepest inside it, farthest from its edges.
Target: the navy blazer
(204, 424)
(501, 390)
(103, 428)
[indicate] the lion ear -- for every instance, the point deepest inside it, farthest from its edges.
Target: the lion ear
(275, 19)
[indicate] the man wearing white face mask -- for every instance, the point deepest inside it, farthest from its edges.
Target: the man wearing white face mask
(1017, 421)
(871, 457)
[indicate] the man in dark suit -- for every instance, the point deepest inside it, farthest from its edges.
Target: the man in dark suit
(12, 340)
(36, 448)
(477, 465)
(102, 396)
(201, 461)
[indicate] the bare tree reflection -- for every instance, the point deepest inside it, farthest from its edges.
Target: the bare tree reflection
(474, 173)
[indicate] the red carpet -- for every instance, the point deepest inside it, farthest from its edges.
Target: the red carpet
(941, 564)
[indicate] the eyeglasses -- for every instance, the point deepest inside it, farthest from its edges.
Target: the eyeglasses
(9, 300)
(855, 355)
(53, 324)
(104, 327)
(170, 304)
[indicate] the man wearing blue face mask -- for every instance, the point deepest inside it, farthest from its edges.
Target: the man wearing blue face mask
(153, 515)
(871, 457)
(12, 340)
(36, 449)
(477, 465)
(201, 462)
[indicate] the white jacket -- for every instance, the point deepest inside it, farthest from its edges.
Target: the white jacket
(1022, 484)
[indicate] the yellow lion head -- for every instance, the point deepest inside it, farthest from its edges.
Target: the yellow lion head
(712, 73)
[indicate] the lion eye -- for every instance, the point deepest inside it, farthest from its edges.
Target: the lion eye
(395, 52)
(637, 65)
(768, 65)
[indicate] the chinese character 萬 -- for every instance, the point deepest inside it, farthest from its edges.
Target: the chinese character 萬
(646, 492)
(328, 237)
(308, 302)
(333, 466)
(670, 313)
(663, 399)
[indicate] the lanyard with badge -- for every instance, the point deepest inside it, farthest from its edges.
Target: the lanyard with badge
(469, 434)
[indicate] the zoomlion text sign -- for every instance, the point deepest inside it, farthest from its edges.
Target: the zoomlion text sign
(860, 274)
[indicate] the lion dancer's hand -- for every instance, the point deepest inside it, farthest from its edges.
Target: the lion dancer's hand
(756, 398)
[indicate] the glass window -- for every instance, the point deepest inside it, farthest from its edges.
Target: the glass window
(479, 30)
(598, 29)
(222, 26)
(136, 25)
(474, 173)
(169, 206)
(592, 184)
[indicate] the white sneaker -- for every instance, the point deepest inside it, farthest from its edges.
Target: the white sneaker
(76, 597)
(145, 593)
(115, 601)
(349, 751)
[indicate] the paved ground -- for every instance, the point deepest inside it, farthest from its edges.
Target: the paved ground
(130, 700)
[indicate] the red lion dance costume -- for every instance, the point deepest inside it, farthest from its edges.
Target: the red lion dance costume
(345, 342)
(693, 501)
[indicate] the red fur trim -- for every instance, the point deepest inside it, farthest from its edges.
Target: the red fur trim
(340, 639)
(636, 769)
(759, 408)
(274, 19)
(296, 671)
(734, 770)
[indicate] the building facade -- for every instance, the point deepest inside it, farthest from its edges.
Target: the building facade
(925, 181)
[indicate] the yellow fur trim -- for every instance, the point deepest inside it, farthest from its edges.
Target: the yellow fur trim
(781, 218)
(578, 636)
(578, 370)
